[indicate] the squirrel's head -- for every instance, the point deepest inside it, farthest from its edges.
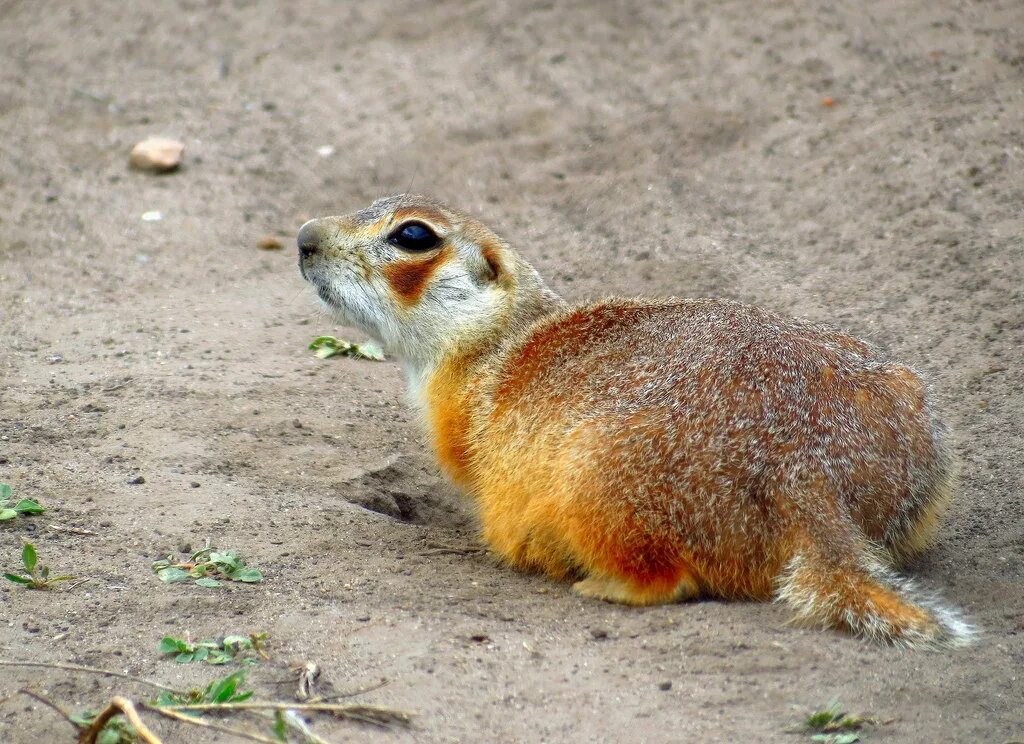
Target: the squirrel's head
(420, 277)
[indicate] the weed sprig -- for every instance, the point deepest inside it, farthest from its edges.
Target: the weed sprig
(208, 567)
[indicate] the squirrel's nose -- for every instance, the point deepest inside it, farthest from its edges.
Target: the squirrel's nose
(309, 239)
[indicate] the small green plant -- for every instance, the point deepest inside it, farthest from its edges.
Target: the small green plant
(116, 730)
(220, 651)
(208, 567)
(847, 737)
(833, 726)
(329, 346)
(35, 575)
(225, 690)
(9, 510)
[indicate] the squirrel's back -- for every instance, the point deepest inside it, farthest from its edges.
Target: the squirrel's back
(730, 399)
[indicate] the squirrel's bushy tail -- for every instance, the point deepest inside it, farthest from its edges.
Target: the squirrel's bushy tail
(867, 599)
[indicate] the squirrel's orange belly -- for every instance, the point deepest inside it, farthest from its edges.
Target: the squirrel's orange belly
(564, 507)
(564, 536)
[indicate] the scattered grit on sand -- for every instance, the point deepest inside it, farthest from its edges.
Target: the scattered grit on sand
(854, 163)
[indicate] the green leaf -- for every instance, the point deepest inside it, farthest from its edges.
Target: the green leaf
(29, 557)
(172, 645)
(326, 352)
(6, 514)
(108, 736)
(165, 698)
(199, 554)
(329, 346)
(280, 727)
(5, 491)
(172, 574)
(368, 351)
(218, 657)
(208, 583)
(237, 641)
(822, 718)
(173, 698)
(228, 559)
(224, 690)
(82, 719)
(18, 579)
(847, 738)
(248, 575)
(28, 506)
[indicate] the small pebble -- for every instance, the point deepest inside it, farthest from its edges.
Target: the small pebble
(157, 155)
(665, 686)
(598, 634)
(269, 243)
(136, 480)
(194, 484)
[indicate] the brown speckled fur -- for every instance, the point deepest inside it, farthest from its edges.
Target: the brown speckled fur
(658, 450)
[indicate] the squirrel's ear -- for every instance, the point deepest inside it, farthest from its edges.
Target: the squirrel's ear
(491, 269)
(492, 264)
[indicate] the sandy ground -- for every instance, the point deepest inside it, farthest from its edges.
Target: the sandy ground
(679, 148)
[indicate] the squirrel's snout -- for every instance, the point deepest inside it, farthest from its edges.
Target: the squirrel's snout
(308, 239)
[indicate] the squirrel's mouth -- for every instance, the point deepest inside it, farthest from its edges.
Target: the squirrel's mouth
(322, 290)
(325, 294)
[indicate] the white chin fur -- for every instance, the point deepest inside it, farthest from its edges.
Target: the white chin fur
(353, 303)
(418, 335)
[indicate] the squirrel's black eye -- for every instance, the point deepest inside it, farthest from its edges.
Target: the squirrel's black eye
(414, 236)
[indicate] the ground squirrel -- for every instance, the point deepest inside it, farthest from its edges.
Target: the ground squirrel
(652, 450)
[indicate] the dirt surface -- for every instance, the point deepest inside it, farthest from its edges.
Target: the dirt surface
(860, 165)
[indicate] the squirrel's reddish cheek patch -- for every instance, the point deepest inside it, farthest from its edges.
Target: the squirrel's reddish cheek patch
(409, 279)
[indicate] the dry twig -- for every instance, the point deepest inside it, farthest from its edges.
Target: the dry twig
(185, 718)
(125, 707)
(90, 670)
(71, 530)
(350, 693)
(378, 715)
(452, 551)
(49, 704)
